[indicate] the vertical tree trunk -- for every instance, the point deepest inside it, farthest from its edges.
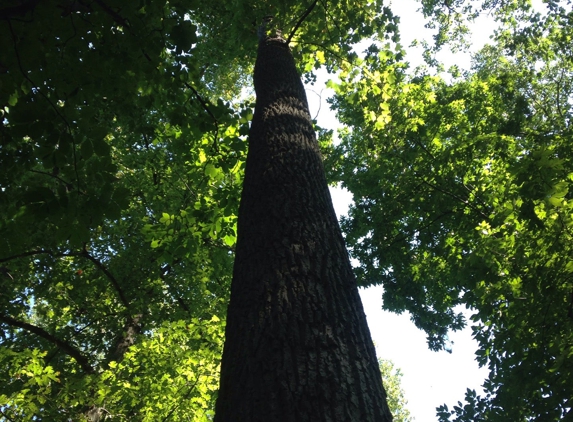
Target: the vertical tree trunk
(297, 344)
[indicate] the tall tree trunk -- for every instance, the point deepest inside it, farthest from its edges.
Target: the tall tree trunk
(297, 344)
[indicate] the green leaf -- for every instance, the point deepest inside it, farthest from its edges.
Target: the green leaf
(86, 149)
(101, 147)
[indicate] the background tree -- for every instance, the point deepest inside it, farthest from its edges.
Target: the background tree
(397, 402)
(462, 197)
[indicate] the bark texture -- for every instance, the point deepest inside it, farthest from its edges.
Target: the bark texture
(297, 344)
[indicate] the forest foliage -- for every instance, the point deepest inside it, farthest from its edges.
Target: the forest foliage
(122, 151)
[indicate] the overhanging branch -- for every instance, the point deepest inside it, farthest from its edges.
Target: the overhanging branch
(109, 275)
(301, 20)
(84, 254)
(67, 348)
(206, 108)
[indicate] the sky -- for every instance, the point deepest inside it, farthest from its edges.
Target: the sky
(429, 379)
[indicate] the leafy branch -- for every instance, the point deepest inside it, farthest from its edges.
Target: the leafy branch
(54, 175)
(84, 254)
(459, 198)
(185, 397)
(24, 255)
(205, 106)
(43, 95)
(301, 20)
(107, 273)
(67, 348)
(4, 415)
(116, 16)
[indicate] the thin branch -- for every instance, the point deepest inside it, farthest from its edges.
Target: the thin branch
(116, 17)
(328, 15)
(6, 416)
(301, 20)
(329, 51)
(206, 108)
(25, 254)
(109, 275)
(84, 254)
(319, 95)
(70, 350)
(396, 239)
(164, 271)
(185, 397)
(203, 102)
(453, 195)
(68, 186)
(39, 91)
(25, 75)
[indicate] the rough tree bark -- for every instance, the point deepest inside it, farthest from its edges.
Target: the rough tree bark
(297, 344)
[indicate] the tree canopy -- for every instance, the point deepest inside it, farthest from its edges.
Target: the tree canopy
(462, 197)
(122, 149)
(122, 154)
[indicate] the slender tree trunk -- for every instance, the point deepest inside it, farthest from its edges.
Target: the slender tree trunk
(297, 344)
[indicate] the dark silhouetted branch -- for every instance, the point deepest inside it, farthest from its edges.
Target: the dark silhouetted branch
(19, 10)
(68, 349)
(109, 275)
(301, 20)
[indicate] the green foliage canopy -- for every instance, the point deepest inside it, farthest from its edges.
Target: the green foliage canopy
(122, 146)
(122, 149)
(462, 196)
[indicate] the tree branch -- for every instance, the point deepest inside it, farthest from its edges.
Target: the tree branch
(116, 16)
(185, 397)
(396, 239)
(453, 195)
(68, 186)
(4, 415)
(204, 105)
(127, 339)
(25, 254)
(109, 275)
(68, 349)
(301, 20)
(20, 10)
(84, 254)
(42, 94)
